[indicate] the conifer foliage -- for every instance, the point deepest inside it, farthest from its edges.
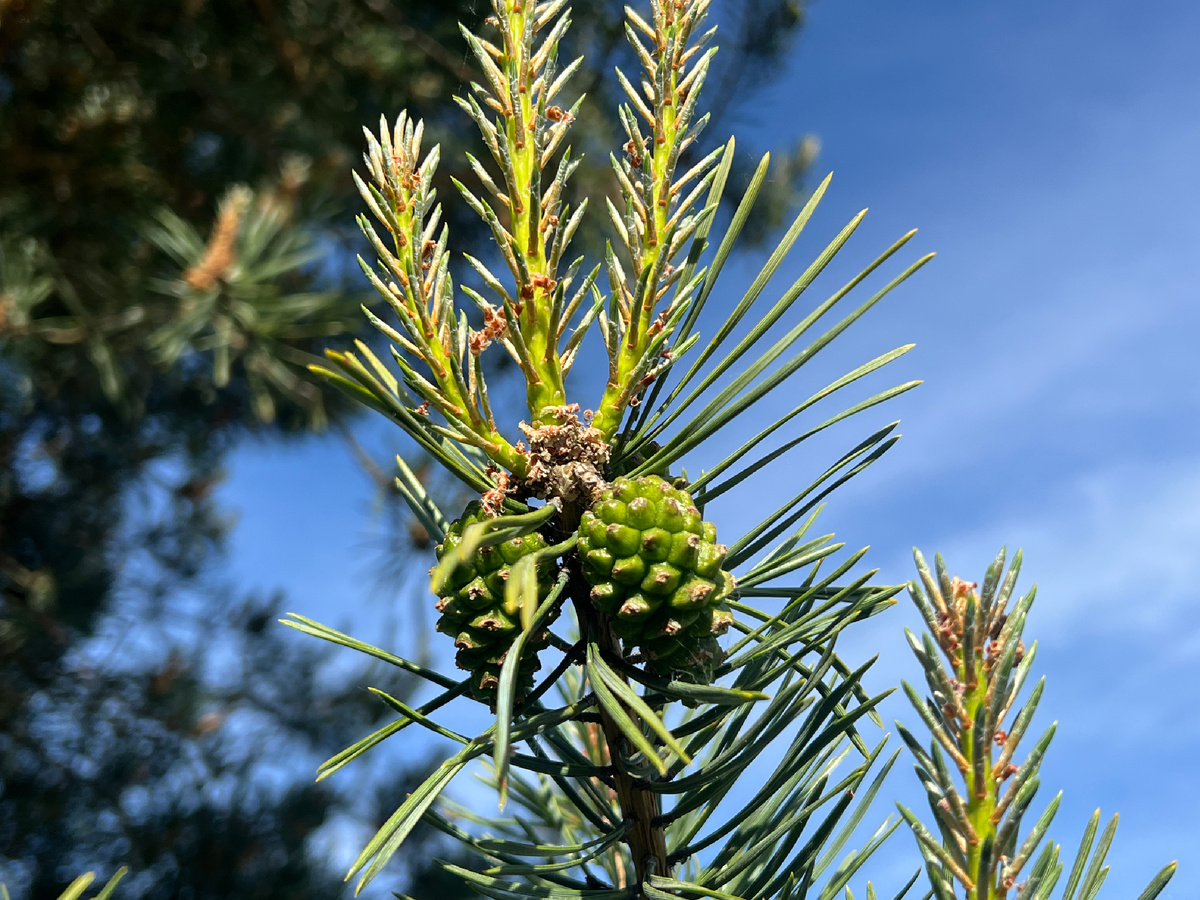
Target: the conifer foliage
(622, 757)
(169, 263)
(589, 548)
(979, 634)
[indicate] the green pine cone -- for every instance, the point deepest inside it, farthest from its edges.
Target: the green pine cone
(475, 614)
(655, 569)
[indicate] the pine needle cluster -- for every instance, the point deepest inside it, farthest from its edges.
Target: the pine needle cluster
(976, 664)
(649, 760)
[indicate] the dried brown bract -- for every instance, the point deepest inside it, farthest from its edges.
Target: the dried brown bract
(568, 459)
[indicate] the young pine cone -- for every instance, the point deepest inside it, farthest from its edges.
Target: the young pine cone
(475, 614)
(655, 570)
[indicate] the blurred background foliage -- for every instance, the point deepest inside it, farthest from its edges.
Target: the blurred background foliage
(176, 243)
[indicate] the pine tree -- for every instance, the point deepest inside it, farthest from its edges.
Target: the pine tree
(622, 759)
(168, 199)
(619, 759)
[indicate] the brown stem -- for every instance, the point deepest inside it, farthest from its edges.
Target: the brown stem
(640, 808)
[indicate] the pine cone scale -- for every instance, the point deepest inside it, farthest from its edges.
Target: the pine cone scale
(656, 571)
(476, 613)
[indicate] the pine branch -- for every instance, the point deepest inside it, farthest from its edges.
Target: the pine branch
(619, 763)
(974, 686)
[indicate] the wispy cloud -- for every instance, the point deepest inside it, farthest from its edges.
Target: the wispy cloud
(1114, 549)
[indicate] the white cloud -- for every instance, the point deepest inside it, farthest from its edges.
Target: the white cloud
(1118, 549)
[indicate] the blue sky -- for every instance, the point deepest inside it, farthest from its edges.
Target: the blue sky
(1048, 152)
